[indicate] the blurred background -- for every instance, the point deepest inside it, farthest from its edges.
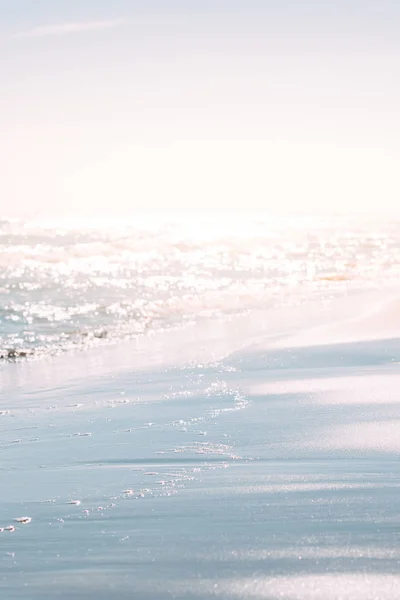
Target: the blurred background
(171, 107)
(167, 161)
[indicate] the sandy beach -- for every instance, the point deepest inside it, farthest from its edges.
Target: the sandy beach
(146, 471)
(199, 300)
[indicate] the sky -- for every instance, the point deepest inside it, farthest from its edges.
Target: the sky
(188, 106)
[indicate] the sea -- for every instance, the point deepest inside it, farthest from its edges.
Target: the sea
(71, 284)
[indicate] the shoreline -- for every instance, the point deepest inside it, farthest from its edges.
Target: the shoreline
(214, 339)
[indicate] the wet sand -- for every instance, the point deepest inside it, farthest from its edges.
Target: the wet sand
(269, 471)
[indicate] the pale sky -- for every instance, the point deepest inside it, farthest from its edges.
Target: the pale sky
(264, 106)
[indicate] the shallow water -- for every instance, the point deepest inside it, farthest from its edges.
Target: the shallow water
(77, 285)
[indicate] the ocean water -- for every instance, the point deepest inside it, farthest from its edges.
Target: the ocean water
(76, 284)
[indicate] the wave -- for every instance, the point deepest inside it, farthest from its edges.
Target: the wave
(71, 285)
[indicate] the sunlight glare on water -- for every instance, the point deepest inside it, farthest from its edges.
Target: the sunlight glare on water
(70, 283)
